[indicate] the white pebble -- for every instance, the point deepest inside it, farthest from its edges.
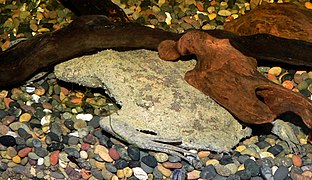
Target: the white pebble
(47, 111)
(30, 89)
(168, 18)
(45, 120)
(11, 133)
(139, 173)
(83, 155)
(76, 134)
(35, 98)
(85, 117)
(40, 161)
(274, 168)
(62, 163)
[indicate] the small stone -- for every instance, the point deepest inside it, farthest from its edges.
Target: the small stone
(33, 156)
(54, 157)
(275, 71)
(113, 153)
(90, 139)
(79, 124)
(161, 157)
(222, 170)
(120, 174)
(16, 125)
(164, 171)
(72, 140)
(149, 161)
(11, 151)
(208, 172)
(83, 155)
(212, 16)
(111, 167)
(127, 172)
(275, 150)
(146, 168)
(102, 151)
(121, 163)
(252, 167)
(251, 152)
(281, 173)
(133, 152)
(16, 159)
(4, 129)
(195, 174)
(8, 120)
(7, 140)
(85, 117)
(139, 173)
(25, 117)
(297, 161)
(212, 162)
(224, 12)
(308, 5)
(40, 161)
(170, 165)
(24, 152)
(41, 152)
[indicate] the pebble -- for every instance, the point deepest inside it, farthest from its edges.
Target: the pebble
(281, 173)
(7, 140)
(54, 158)
(195, 174)
(224, 12)
(161, 157)
(296, 160)
(208, 172)
(102, 151)
(84, 117)
(252, 167)
(171, 165)
(164, 171)
(11, 151)
(149, 161)
(25, 117)
(139, 173)
(24, 152)
(113, 153)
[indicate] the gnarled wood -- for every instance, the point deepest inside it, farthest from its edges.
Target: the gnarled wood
(230, 78)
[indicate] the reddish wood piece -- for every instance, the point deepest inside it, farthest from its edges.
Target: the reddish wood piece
(231, 78)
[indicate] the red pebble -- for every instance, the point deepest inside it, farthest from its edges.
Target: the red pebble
(297, 161)
(171, 165)
(54, 157)
(85, 146)
(24, 152)
(113, 153)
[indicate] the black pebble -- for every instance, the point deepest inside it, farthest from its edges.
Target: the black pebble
(95, 122)
(208, 172)
(133, 164)
(55, 146)
(23, 133)
(3, 114)
(72, 152)
(244, 174)
(275, 150)
(226, 159)
(121, 163)
(263, 144)
(7, 140)
(54, 137)
(41, 152)
(281, 173)
(65, 139)
(133, 152)
(149, 161)
(69, 124)
(111, 167)
(252, 167)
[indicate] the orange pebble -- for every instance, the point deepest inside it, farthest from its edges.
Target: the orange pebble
(76, 100)
(85, 174)
(6, 44)
(288, 84)
(213, 2)
(271, 76)
(54, 157)
(199, 6)
(7, 102)
(297, 161)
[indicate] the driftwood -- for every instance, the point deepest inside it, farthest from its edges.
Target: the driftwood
(231, 78)
(287, 20)
(89, 34)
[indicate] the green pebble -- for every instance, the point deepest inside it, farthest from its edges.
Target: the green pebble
(303, 85)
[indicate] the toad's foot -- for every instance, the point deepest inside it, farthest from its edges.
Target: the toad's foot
(285, 132)
(143, 140)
